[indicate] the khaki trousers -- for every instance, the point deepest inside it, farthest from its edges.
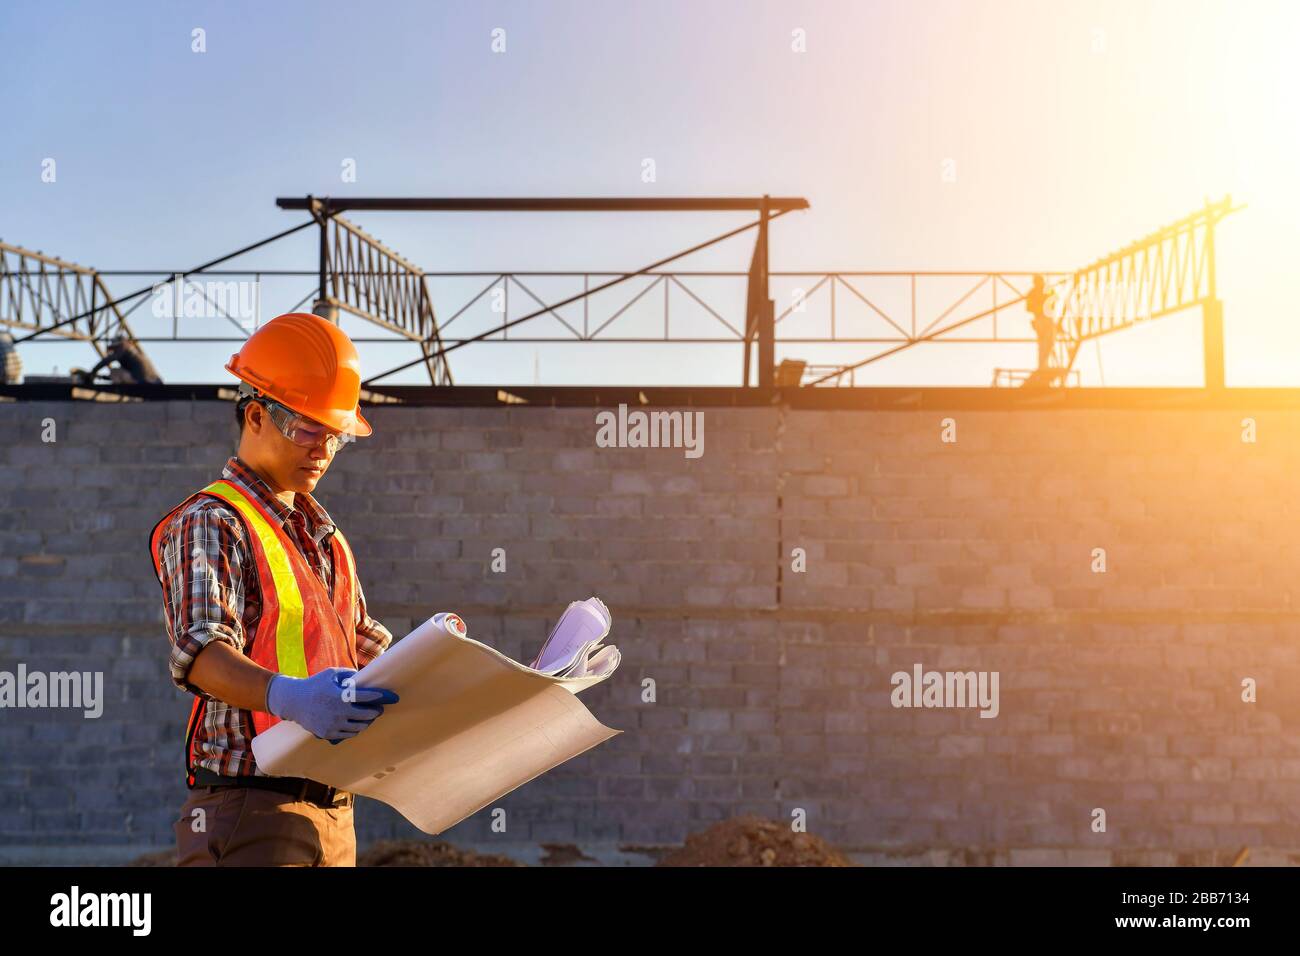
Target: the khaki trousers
(244, 826)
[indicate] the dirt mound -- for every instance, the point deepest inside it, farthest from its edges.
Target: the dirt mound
(420, 853)
(753, 841)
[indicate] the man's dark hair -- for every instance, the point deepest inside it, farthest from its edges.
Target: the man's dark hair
(239, 413)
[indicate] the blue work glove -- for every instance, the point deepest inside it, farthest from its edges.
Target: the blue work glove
(318, 703)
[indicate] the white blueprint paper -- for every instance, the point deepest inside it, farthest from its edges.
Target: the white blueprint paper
(471, 726)
(582, 626)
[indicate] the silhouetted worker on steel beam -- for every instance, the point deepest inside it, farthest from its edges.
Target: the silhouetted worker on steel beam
(133, 362)
(1044, 325)
(1045, 328)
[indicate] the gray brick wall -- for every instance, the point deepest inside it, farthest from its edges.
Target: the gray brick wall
(1119, 690)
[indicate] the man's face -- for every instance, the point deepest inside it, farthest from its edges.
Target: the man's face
(289, 466)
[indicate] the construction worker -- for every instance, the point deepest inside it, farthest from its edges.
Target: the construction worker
(264, 609)
(134, 366)
(1036, 304)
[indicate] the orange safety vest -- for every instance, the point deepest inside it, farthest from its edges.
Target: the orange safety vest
(303, 629)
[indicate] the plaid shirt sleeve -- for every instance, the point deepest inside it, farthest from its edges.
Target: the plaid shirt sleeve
(372, 637)
(203, 557)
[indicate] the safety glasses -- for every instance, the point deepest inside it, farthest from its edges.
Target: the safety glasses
(303, 431)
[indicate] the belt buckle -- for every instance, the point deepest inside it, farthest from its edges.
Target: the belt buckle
(323, 795)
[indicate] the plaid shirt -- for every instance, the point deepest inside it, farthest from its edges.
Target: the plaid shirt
(223, 601)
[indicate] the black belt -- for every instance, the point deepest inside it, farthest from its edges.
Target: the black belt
(311, 791)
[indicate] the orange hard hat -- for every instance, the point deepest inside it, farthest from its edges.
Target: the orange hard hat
(308, 364)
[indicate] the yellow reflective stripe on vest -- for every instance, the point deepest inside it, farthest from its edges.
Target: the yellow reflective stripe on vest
(290, 653)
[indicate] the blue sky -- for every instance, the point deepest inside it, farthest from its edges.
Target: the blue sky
(1064, 151)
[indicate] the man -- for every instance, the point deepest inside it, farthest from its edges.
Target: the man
(1037, 301)
(265, 613)
(134, 365)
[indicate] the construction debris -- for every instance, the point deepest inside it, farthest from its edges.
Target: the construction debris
(423, 853)
(743, 841)
(753, 841)
(564, 854)
(161, 858)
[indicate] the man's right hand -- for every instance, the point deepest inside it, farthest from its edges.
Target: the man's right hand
(324, 705)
